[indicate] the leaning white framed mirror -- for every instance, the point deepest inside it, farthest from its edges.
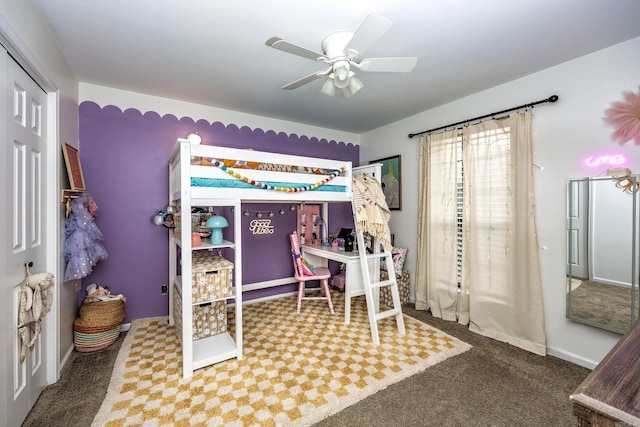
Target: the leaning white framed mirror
(602, 252)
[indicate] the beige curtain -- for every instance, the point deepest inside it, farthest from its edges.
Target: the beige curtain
(500, 292)
(436, 281)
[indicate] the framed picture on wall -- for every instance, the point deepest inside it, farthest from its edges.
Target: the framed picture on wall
(391, 181)
(74, 169)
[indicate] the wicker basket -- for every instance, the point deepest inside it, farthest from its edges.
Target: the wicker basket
(212, 277)
(207, 319)
(98, 324)
(404, 285)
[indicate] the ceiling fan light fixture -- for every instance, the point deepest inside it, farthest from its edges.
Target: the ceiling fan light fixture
(342, 51)
(328, 88)
(355, 85)
(341, 76)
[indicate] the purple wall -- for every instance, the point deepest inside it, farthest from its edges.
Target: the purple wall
(124, 158)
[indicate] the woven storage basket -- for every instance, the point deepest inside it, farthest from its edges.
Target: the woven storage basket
(212, 276)
(98, 324)
(404, 284)
(207, 319)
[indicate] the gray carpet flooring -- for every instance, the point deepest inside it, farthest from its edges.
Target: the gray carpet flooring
(603, 304)
(493, 384)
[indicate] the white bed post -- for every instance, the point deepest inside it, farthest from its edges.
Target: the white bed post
(186, 264)
(237, 238)
(325, 219)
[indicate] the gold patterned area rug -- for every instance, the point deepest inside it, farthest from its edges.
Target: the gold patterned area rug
(297, 369)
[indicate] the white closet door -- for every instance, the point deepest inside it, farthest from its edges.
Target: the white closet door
(577, 226)
(23, 229)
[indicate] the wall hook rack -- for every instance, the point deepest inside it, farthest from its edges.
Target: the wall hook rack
(66, 197)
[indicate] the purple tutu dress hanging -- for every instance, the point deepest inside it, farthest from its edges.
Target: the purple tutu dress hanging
(82, 246)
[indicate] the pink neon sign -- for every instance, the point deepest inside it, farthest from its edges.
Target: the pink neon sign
(605, 160)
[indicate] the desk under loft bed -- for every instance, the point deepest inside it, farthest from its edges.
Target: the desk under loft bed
(209, 176)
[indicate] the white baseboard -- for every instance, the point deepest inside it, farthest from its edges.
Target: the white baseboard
(66, 357)
(573, 358)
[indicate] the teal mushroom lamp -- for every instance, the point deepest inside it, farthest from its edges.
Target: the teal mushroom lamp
(216, 223)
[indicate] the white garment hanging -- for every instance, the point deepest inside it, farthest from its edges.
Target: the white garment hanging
(36, 298)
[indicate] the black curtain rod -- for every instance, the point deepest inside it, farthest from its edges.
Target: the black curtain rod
(552, 98)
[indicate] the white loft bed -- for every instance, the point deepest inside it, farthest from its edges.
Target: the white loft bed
(330, 182)
(333, 184)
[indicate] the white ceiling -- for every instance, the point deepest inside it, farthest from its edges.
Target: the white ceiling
(213, 52)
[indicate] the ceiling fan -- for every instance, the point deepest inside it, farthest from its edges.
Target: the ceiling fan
(342, 51)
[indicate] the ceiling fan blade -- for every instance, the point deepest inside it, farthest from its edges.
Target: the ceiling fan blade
(393, 65)
(371, 29)
(285, 46)
(304, 80)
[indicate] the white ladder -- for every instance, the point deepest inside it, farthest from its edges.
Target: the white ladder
(372, 289)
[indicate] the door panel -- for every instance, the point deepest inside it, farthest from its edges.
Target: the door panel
(24, 147)
(36, 199)
(577, 221)
(19, 196)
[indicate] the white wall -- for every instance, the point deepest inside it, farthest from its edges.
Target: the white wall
(122, 99)
(610, 234)
(565, 133)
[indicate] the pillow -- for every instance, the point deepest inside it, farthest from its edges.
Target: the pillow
(398, 256)
(303, 265)
(236, 164)
(307, 269)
